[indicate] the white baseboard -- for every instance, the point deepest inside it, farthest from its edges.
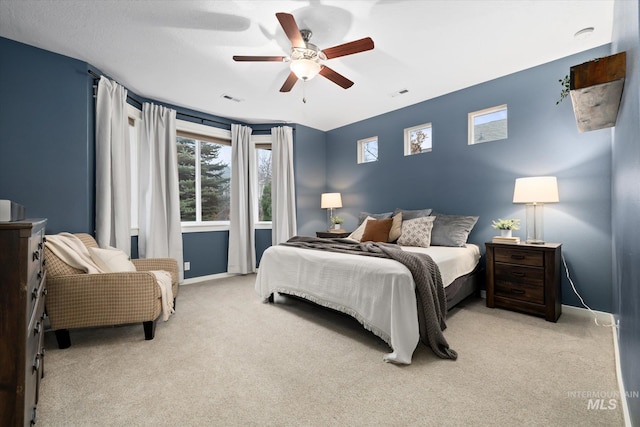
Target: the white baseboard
(603, 317)
(200, 279)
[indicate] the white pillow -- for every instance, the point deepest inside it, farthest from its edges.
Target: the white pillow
(417, 232)
(111, 260)
(357, 234)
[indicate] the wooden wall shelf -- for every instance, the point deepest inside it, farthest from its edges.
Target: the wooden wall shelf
(596, 89)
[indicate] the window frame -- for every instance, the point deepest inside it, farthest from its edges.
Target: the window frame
(407, 138)
(471, 127)
(360, 145)
(260, 142)
(220, 136)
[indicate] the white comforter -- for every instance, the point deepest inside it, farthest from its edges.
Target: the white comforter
(378, 292)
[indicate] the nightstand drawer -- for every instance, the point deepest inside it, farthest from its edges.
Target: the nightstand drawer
(519, 256)
(514, 273)
(534, 294)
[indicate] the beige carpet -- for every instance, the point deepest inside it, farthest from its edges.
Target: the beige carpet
(227, 359)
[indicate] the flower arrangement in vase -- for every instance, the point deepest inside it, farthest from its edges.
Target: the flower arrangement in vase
(336, 221)
(506, 226)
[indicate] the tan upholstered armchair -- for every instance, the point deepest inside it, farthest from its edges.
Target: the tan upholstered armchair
(76, 299)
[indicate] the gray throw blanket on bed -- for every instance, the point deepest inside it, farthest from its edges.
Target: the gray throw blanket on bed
(432, 302)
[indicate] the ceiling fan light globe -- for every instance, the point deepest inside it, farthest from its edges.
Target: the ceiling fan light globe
(305, 69)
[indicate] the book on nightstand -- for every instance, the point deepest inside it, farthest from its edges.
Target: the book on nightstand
(500, 239)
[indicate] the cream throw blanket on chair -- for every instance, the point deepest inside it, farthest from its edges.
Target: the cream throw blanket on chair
(70, 249)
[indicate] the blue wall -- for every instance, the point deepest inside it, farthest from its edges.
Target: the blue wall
(626, 202)
(310, 171)
(46, 148)
(456, 178)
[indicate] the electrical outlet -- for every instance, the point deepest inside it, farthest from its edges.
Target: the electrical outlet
(187, 266)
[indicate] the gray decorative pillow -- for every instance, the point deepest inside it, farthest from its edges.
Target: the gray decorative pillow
(364, 215)
(451, 230)
(412, 214)
(417, 232)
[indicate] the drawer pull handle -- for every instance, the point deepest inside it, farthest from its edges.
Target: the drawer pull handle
(37, 329)
(36, 363)
(518, 273)
(514, 256)
(34, 416)
(517, 291)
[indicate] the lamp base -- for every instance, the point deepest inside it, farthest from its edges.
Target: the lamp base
(534, 242)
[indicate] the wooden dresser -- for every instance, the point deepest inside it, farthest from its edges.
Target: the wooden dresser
(525, 278)
(22, 294)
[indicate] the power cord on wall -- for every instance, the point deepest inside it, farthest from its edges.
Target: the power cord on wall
(595, 316)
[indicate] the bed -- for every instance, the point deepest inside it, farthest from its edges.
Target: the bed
(380, 293)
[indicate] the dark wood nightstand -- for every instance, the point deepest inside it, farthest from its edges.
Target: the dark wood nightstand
(332, 234)
(525, 278)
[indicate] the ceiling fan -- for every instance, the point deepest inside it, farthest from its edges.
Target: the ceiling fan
(306, 59)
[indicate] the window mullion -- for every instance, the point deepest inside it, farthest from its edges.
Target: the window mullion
(198, 183)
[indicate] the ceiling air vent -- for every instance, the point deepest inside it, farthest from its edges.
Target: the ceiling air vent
(400, 92)
(230, 98)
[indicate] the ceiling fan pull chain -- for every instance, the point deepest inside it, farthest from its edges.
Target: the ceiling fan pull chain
(304, 91)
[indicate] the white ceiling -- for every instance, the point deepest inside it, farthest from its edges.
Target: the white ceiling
(180, 51)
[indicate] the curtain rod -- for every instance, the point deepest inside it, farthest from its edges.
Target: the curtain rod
(201, 119)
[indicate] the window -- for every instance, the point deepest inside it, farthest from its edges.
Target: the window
(368, 150)
(262, 144)
(417, 139)
(204, 173)
(487, 125)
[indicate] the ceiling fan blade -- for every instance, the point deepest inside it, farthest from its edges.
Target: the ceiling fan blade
(337, 78)
(349, 48)
(259, 58)
(288, 23)
(288, 84)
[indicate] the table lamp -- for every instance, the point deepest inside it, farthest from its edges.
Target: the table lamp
(330, 201)
(535, 192)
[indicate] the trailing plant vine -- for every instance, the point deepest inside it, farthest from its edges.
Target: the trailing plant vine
(565, 88)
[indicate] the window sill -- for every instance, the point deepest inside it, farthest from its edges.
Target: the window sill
(203, 228)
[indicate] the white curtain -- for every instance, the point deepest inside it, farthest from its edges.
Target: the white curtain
(244, 203)
(159, 234)
(113, 173)
(283, 194)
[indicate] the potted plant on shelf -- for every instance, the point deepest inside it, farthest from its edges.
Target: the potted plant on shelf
(336, 221)
(506, 226)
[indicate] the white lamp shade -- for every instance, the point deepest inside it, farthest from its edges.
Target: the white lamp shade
(537, 189)
(331, 200)
(305, 69)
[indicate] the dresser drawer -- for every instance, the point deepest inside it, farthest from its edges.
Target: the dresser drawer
(509, 273)
(519, 256)
(36, 253)
(35, 287)
(519, 291)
